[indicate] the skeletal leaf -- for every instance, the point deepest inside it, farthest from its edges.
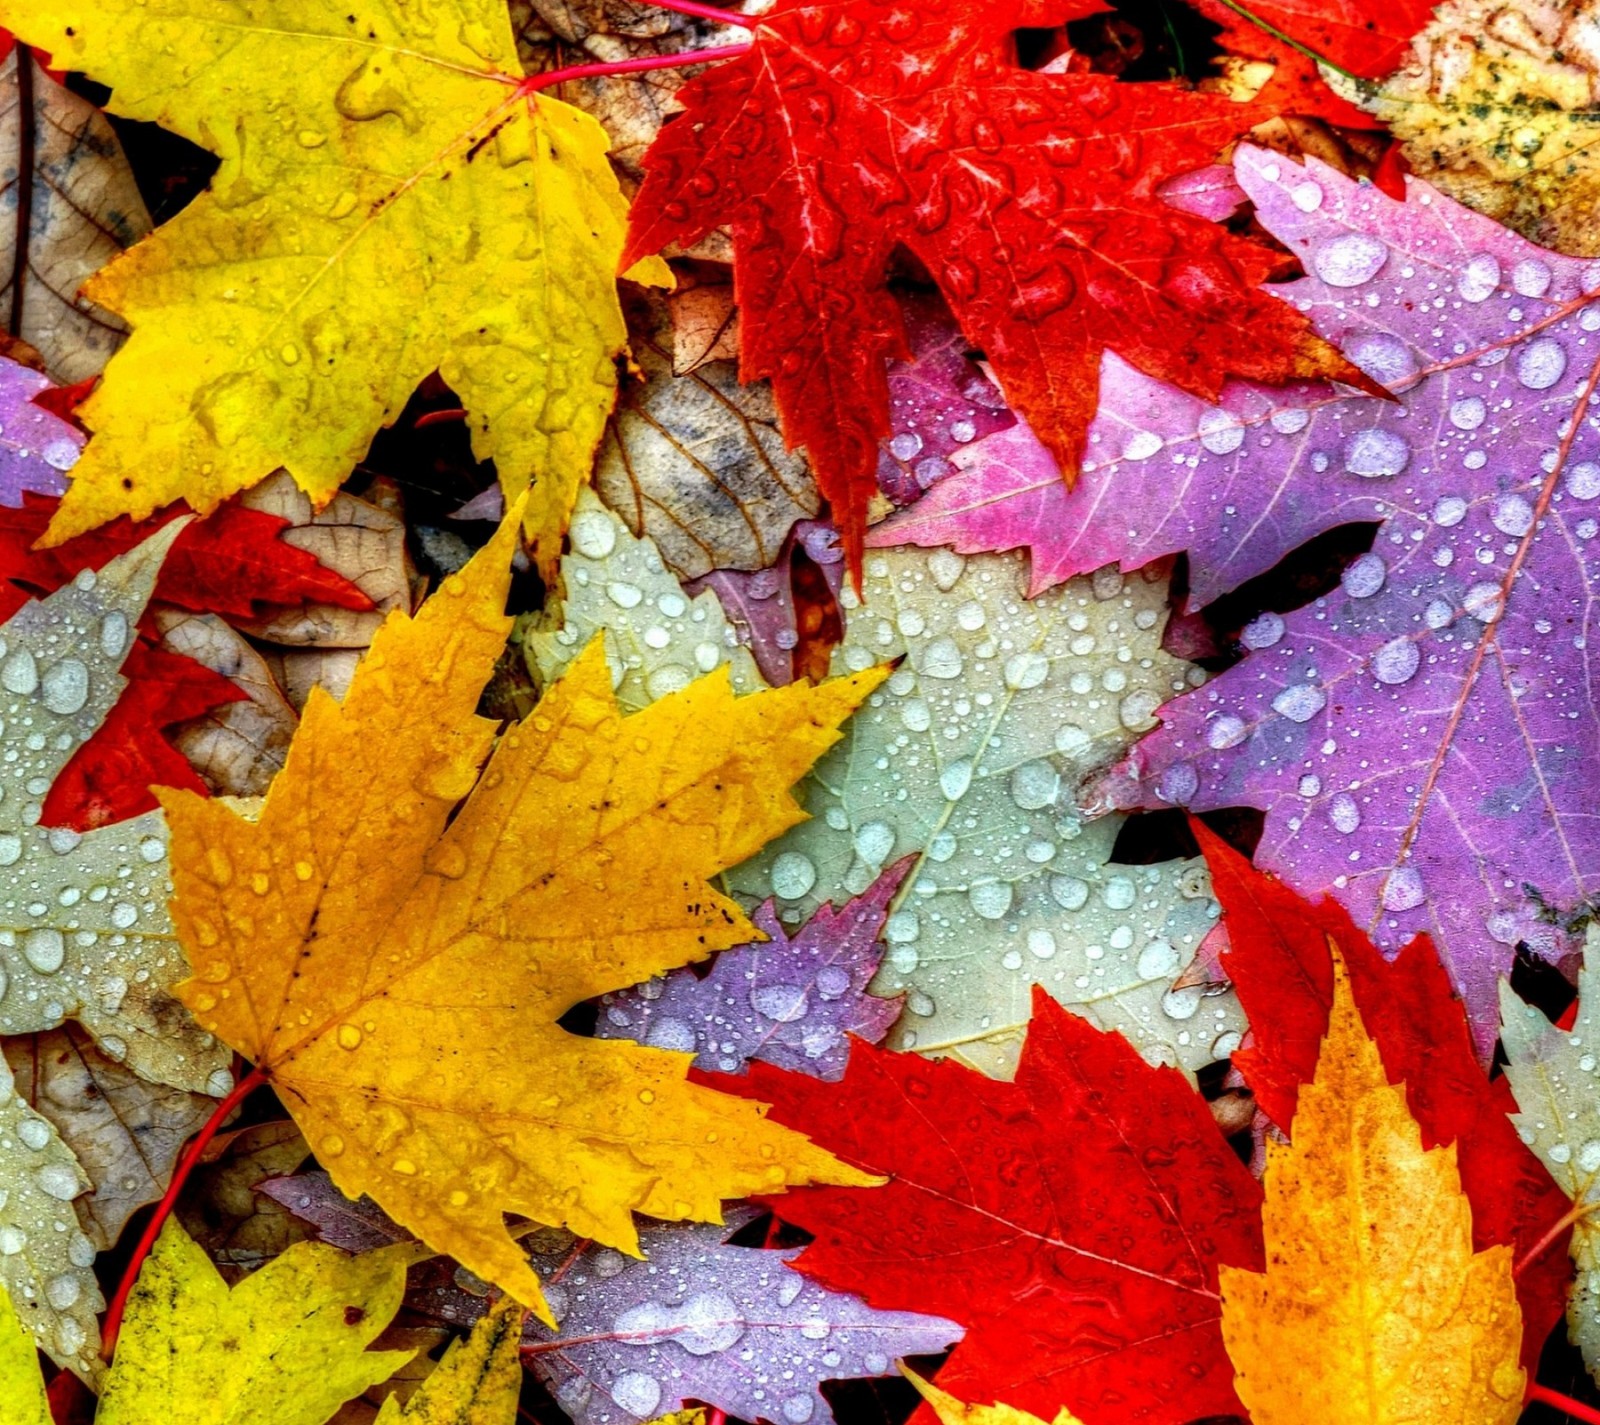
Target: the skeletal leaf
(46, 1262)
(969, 758)
(125, 1132)
(91, 938)
(84, 208)
(1552, 1074)
(657, 639)
(287, 1345)
(1373, 1303)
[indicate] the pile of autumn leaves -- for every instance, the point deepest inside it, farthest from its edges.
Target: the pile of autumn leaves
(393, 934)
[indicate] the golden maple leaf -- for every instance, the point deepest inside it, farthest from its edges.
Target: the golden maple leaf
(387, 203)
(952, 1410)
(1373, 1309)
(398, 967)
(478, 1381)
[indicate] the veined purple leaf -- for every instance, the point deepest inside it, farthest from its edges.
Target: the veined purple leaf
(36, 448)
(358, 1226)
(1420, 739)
(787, 1001)
(733, 1327)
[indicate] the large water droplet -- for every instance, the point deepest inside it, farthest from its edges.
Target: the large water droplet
(793, 874)
(1403, 890)
(783, 1003)
(44, 948)
(1300, 702)
(1375, 454)
(1396, 661)
(1349, 260)
(1365, 576)
(1541, 363)
(1479, 279)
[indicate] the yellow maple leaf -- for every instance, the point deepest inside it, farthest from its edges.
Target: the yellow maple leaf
(952, 1410)
(477, 1382)
(286, 1346)
(398, 966)
(387, 204)
(22, 1397)
(1373, 1309)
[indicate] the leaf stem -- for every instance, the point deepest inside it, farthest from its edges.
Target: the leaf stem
(169, 1199)
(1570, 1218)
(535, 82)
(706, 12)
(1574, 1409)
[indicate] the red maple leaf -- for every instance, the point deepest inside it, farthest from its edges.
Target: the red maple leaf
(1030, 197)
(1278, 960)
(1072, 1220)
(1363, 38)
(232, 563)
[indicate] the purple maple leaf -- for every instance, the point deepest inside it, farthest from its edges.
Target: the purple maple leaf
(734, 1327)
(1422, 739)
(789, 1002)
(36, 447)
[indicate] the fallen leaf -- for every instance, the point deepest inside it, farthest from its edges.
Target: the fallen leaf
(1495, 103)
(476, 1383)
(21, 1383)
(1416, 737)
(1282, 970)
(1551, 1071)
(82, 208)
(405, 1382)
(970, 759)
(860, 129)
(125, 1132)
(46, 1262)
(287, 1344)
(406, 1011)
(1373, 1302)
(698, 1319)
(1072, 1221)
(697, 462)
(367, 243)
(705, 321)
(784, 1000)
(957, 1412)
(36, 447)
(657, 639)
(358, 1226)
(97, 942)
(223, 1209)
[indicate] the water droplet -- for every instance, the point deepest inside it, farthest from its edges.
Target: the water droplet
(35, 1134)
(797, 1409)
(58, 1180)
(1262, 632)
(624, 596)
(60, 454)
(874, 840)
(1511, 514)
(907, 445)
(19, 673)
(1300, 702)
(1479, 279)
(12, 1240)
(1158, 961)
(1349, 260)
(1468, 413)
(66, 686)
(1220, 432)
(1035, 785)
(955, 779)
(1141, 445)
(1226, 731)
(1583, 480)
(349, 1036)
(1365, 576)
(637, 1393)
(1376, 454)
(1450, 511)
(1396, 661)
(1541, 363)
(1485, 602)
(45, 948)
(1403, 890)
(1307, 197)
(1290, 420)
(1182, 1003)
(793, 875)
(62, 1291)
(1385, 358)
(942, 659)
(1589, 1156)
(783, 1003)
(1026, 670)
(1531, 277)
(990, 899)
(1344, 813)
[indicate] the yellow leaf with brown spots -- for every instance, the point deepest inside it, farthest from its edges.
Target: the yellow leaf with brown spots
(395, 938)
(388, 203)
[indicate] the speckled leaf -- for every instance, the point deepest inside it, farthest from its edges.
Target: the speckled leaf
(46, 1262)
(125, 1131)
(1553, 1075)
(1421, 738)
(969, 759)
(788, 1001)
(84, 209)
(657, 639)
(92, 939)
(696, 1320)
(697, 462)
(36, 448)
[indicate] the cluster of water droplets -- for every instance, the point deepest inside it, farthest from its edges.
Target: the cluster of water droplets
(1428, 712)
(969, 759)
(697, 1319)
(790, 1002)
(657, 638)
(84, 930)
(46, 1261)
(37, 448)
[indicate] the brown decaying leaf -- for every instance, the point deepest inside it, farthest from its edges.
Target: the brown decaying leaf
(69, 194)
(697, 462)
(237, 747)
(238, 1227)
(705, 321)
(127, 1132)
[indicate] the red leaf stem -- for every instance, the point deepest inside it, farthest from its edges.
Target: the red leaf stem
(1575, 1409)
(707, 12)
(535, 82)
